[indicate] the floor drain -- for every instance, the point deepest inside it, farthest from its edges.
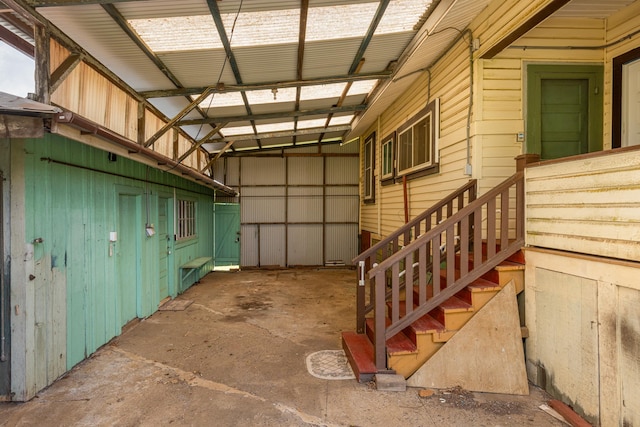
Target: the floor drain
(329, 365)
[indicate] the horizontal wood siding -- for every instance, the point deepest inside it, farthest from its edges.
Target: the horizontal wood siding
(589, 205)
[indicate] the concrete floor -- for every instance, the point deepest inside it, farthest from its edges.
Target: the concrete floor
(236, 357)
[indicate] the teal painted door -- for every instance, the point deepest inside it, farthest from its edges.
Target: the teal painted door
(564, 111)
(128, 251)
(164, 246)
(227, 234)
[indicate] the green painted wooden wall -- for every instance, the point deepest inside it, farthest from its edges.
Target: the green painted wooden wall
(72, 204)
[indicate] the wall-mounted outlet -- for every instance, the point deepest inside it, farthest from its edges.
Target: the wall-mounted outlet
(520, 137)
(113, 236)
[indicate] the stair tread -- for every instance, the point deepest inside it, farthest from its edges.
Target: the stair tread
(427, 324)
(455, 304)
(360, 351)
(397, 344)
(481, 284)
(508, 266)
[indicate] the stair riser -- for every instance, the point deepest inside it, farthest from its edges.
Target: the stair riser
(451, 321)
(406, 364)
(477, 299)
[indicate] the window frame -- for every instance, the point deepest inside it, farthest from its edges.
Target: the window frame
(389, 141)
(368, 168)
(186, 219)
(431, 112)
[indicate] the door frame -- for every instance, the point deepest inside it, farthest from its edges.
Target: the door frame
(171, 208)
(137, 193)
(616, 104)
(536, 72)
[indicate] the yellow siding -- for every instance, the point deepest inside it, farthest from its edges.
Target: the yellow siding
(618, 26)
(589, 205)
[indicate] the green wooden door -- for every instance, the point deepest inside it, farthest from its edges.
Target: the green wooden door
(128, 252)
(227, 237)
(564, 110)
(164, 246)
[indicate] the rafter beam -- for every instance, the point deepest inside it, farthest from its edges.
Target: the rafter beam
(367, 38)
(129, 31)
(267, 116)
(49, 3)
(340, 128)
(63, 70)
(267, 85)
(204, 140)
(17, 42)
(219, 154)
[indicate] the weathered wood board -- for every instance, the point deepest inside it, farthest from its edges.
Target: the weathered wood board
(486, 355)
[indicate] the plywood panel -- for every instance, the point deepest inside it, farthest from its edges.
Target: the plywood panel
(567, 337)
(628, 323)
(488, 352)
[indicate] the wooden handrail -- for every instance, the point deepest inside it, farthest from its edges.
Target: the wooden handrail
(410, 231)
(494, 209)
(470, 187)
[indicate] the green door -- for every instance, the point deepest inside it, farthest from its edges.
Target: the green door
(128, 253)
(164, 246)
(227, 237)
(564, 110)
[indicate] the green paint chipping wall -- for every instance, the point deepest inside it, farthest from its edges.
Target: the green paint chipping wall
(81, 285)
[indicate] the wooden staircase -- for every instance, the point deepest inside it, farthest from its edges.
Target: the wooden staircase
(405, 322)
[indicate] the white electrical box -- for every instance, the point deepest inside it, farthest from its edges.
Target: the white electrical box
(113, 236)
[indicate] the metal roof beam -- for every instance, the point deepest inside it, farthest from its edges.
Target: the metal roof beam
(204, 140)
(281, 134)
(370, 32)
(129, 31)
(47, 3)
(266, 85)
(267, 116)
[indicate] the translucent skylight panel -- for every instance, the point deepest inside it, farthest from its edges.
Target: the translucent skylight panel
(312, 123)
(362, 87)
(402, 15)
(178, 33)
(275, 127)
(337, 22)
(238, 130)
(341, 120)
(287, 94)
(263, 28)
(333, 90)
(223, 99)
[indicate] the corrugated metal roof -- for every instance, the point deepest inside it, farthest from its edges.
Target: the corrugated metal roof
(337, 48)
(15, 105)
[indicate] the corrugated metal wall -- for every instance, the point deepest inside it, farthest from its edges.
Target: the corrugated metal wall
(72, 201)
(299, 208)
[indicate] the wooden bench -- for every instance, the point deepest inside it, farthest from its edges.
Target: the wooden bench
(191, 267)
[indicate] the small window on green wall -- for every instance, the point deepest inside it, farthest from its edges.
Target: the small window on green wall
(186, 219)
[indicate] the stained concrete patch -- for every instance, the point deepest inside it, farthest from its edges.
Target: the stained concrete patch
(176, 305)
(329, 365)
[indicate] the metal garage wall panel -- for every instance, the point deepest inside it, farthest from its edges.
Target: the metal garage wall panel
(233, 172)
(304, 204)
(262, 171)
(262, 204)
(305, 244)
(305, 170)
(249, 245)
(341, 243)
(272, 245)
(342, 204)
(342, 170)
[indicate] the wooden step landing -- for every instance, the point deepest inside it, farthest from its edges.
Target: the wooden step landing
(359, 352)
